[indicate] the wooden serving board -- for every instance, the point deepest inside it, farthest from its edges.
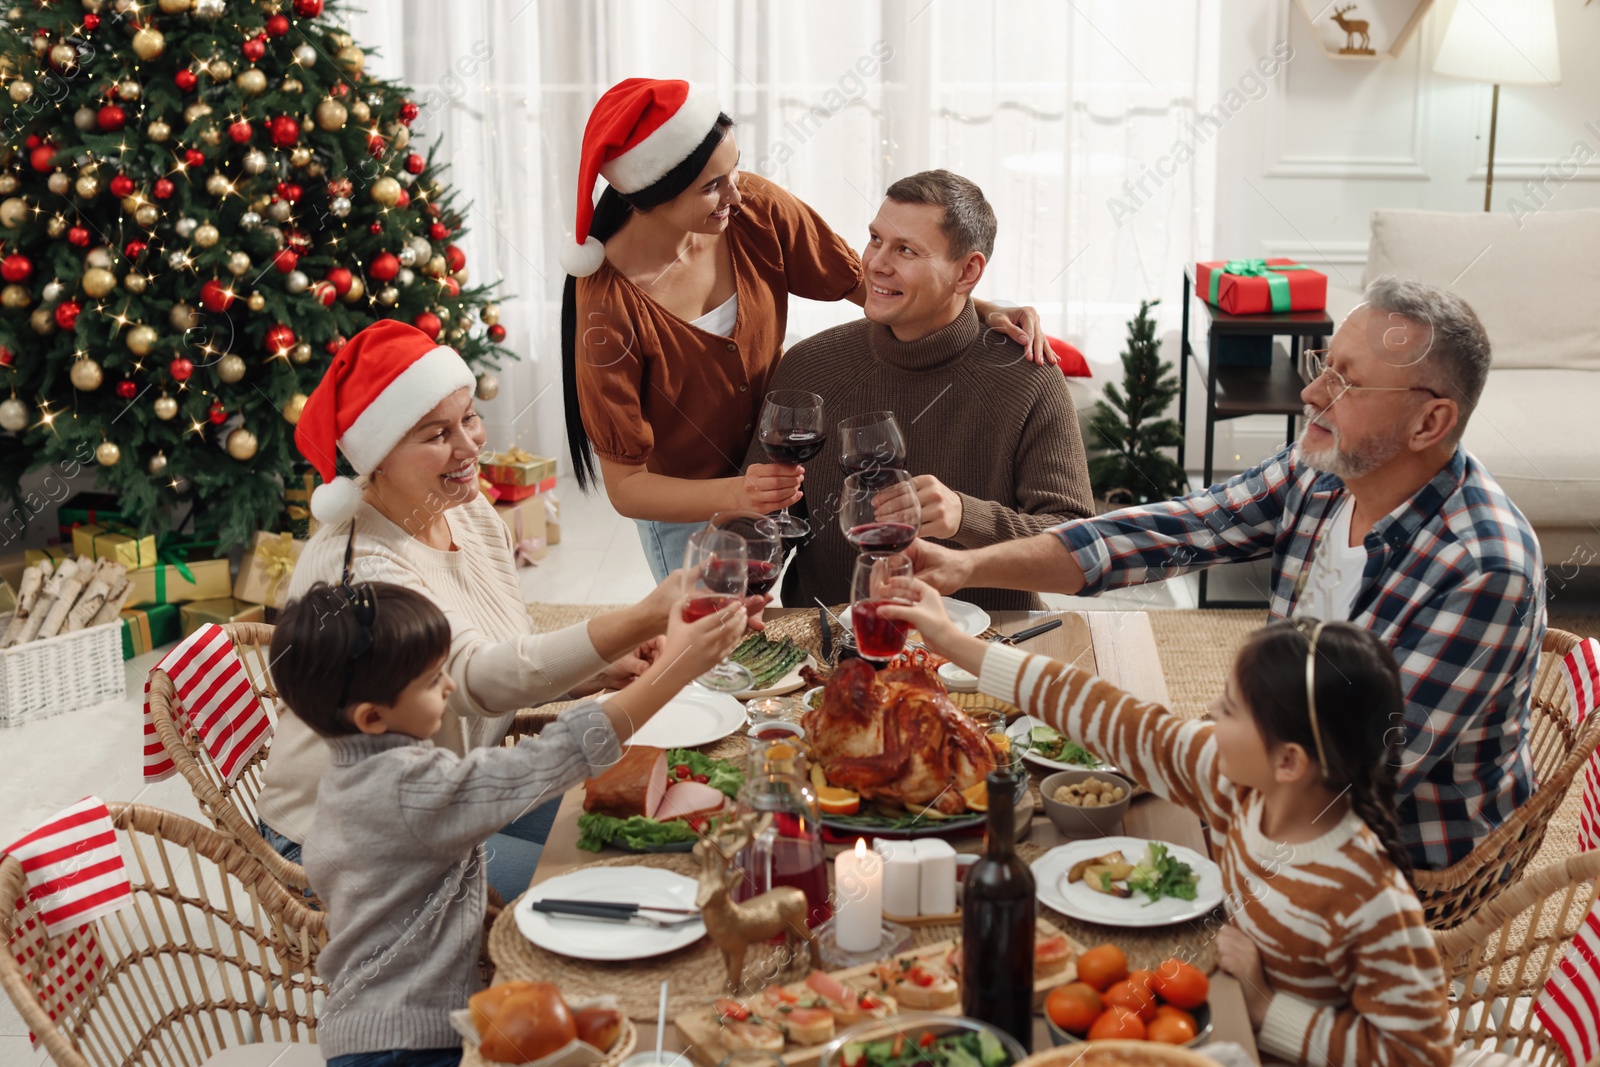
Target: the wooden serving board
(700, 1029)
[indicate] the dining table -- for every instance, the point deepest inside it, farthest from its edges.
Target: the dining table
(1120, 647)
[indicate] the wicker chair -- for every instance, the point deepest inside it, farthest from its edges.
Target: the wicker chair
(213, 953)
(1499, 960)
(1560, 749)
(231, 808)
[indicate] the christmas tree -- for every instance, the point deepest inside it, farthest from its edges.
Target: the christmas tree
(1127, 430)
(200, 200)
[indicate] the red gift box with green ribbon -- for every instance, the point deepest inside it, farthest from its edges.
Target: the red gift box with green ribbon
(1261, 286)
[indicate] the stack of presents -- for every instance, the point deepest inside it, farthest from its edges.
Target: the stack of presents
(176, 584)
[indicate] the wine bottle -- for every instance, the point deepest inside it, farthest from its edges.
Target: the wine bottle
(998, 912)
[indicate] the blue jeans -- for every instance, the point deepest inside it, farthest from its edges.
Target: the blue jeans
(403, 1057)
(664, 544)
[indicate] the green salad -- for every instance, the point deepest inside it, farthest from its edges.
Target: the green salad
(964, 1049)
(1160, 874)
(637, 832)
(1052, 744)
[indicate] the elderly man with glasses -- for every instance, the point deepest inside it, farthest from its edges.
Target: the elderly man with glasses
(1378, 516)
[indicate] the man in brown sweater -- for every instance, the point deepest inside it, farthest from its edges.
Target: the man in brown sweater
(992, 439)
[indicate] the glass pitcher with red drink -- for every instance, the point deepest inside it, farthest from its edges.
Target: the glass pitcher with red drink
(787, 850)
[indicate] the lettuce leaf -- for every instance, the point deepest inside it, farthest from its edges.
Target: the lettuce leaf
(596, 831)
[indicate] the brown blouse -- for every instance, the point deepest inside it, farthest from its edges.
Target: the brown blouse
(682, 402)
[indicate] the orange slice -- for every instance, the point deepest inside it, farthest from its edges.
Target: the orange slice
(977, 796)
(835, 801)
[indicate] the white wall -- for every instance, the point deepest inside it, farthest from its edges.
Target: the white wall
(1300, 171)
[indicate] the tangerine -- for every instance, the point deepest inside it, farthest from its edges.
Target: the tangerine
(1117, 1024)
(1182, 985)
(1170, 1030)
(1074, 1006)
(1134, 995)
(835, 801)
(977, 796)
(1103, 966)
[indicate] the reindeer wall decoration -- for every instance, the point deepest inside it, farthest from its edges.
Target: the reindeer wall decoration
(734, 926)
(1353, 28)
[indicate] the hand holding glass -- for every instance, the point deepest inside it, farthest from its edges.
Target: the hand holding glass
(792, 431)
(715, 573)
(871, 444)
(878, 638)
(879, 511)
(763, 543)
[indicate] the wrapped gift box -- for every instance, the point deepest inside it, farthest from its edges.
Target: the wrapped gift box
(1260, 286)
(264, 572)
(221, 611)
(510, 494)
(516, 467)
(174, 583)
(84, 509)
(34, 555)
(525, 520)
(116, 543)
(297, 505)
(552, 519)
(488, 489)
(149, 626)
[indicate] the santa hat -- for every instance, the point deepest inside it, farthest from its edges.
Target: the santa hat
(378, 387)
(637, 133)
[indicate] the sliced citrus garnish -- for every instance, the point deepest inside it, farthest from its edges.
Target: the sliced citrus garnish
(977, 796)
(835, 801)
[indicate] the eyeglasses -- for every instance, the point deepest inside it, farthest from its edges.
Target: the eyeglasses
(1314, 364)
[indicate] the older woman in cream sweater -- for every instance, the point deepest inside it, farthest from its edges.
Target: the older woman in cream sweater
(401, 409)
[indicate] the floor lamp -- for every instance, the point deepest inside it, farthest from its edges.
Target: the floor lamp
(1503, 42)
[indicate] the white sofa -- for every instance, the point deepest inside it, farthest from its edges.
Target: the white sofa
(1536, 287)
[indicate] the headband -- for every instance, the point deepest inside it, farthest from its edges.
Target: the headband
(1311, 696)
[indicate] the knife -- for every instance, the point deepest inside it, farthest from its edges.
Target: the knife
(827, 634)
(618, 905)
(615, 913)
(1032, 631)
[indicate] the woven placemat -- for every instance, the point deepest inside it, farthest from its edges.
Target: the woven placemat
(1194, 942)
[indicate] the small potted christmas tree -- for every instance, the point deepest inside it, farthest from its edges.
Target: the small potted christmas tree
(1127, 435)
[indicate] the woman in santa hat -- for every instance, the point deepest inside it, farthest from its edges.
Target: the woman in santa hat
(401, 408)
(674, 312)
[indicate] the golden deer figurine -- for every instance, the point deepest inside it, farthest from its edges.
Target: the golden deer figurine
(733, 926)
(1353, 28)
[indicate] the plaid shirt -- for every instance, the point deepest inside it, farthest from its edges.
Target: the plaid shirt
(1453, 584)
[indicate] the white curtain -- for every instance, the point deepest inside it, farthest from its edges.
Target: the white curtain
(1049, 105)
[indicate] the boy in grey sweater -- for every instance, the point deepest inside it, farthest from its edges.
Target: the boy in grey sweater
(397, 855)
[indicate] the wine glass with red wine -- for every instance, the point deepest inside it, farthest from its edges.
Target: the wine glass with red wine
(715, 573)
(763, 543)
(877, 638)
(871, 444)
(792, 431)
(879, 511)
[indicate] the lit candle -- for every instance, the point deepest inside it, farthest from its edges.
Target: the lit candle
(858, 899)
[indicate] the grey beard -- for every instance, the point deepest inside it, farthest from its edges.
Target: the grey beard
(1348, 464)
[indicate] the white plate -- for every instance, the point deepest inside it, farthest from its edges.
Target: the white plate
(1018, 732)
(787, 684)
(972, 619)
(587, 939)
(696, 716)
(1081, 902)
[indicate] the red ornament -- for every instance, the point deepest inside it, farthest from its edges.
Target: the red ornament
(338, 90)
(122, 185)
(254, 48)
(415, 163)
(340, 279)
(286, 260)
(240, 131)
(215, 297)
(376, 227)
(111, 118)
(404, 201)
(78, 235)
(193, 157)
(324, 293)
(375, 145)
(16, 267)
(285, 131)
(308, 9)
(7, 357)
(134, 249)
(438, 231)
(290, 192)
(384, 267)
(43, 157)
(409, 112)
(127, 390)
(180, 369)
(429, 324)
(298, 241)
(277, 25)
(186, 79)
(163, 188)
(279, 338)
(218, 414)
(91, 21)
(340, 187)
(497, 333)
(332, 347)
(32, 141)
(452, 285)
(67, 314)
(456, 258)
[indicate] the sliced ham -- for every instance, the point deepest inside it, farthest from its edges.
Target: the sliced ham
(634, 785)
(687, 799)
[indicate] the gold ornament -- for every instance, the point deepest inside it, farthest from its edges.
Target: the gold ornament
(230, 368)
(490, 314)
(148, 43)
(218, 185)
(147, 215)
(292, 85)
(488, 386)
(352, 59)
(358, 289)
(340, 39)
(330, 114)
(135, 283)
(360, 112)
(293, 407)
(211, 136)
(108, 454)
(436, 267)
(13, 415)
(183, 317)
(388, 296)
(300, 353)
(197, 110)
(399, 136)
(158, 464)
(8, 184)
(43, 321)
(206, 235)
(22, 91)
(252, 82)
(16, 296)
(255, 302)
(129, 90)
(166, 408)
(158, 131)
(141, 339)
(315, 169)
(64, 56)
(55, 227)
(58, 183)
(98, 257)
(175, 7)
(86, 375)
(299, 156)
(88, 186)
(13, 212)
(97, 281)
(220, 70)
(238, 262)
(307, 125)
(386, 191)
(130, 203)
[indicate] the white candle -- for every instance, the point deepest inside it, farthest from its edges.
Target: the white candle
(858, 899)
(902, 893)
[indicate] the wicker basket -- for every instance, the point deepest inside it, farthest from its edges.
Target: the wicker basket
(627, 1041)
(62, 673)
(212, 953)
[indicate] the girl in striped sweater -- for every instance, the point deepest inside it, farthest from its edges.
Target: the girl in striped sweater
(1294, 775)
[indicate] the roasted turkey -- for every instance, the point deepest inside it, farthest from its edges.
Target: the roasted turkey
(895, 735)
